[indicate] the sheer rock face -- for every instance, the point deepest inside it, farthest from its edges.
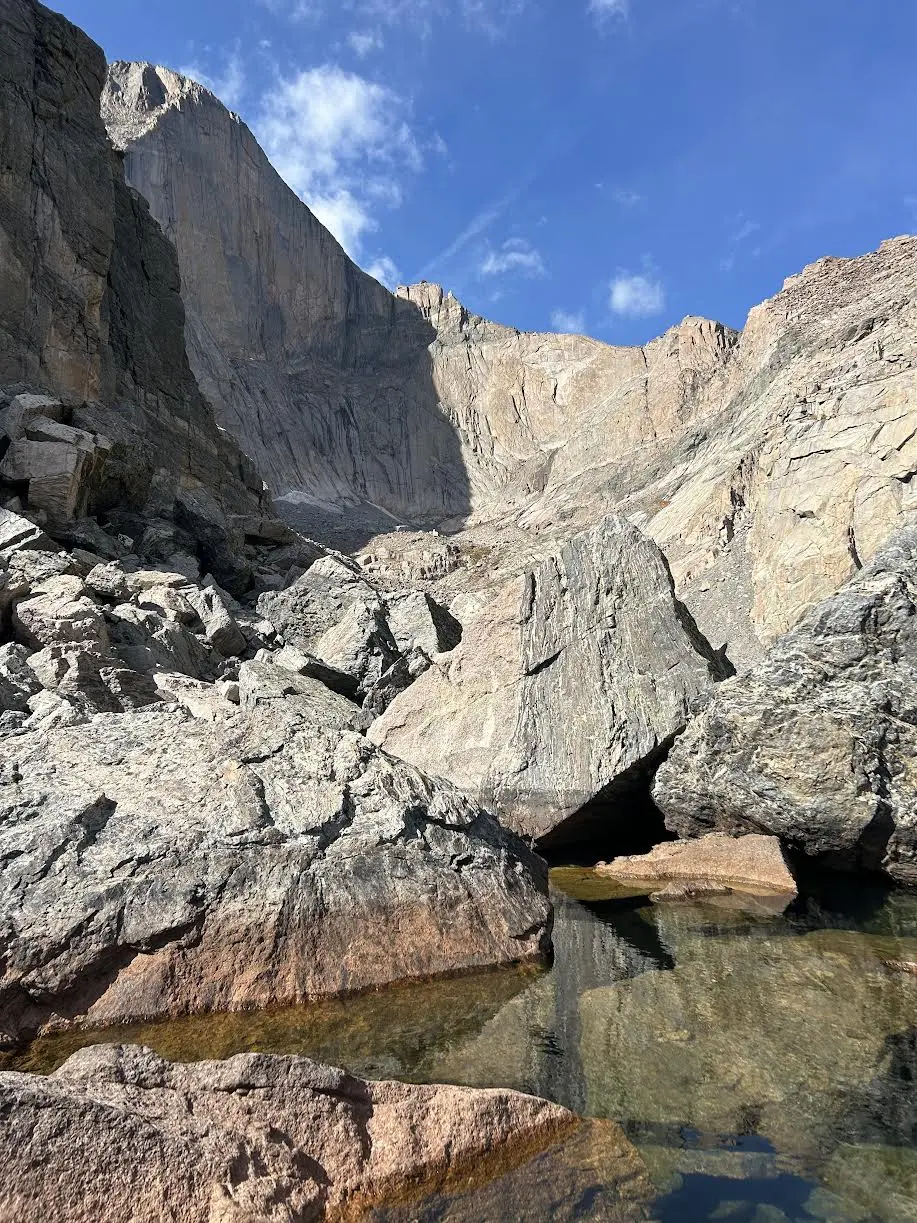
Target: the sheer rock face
(768, 464)
(118, 1133)
(316, 369)
(573, 677)
(155, 864)
(90, 305)
(817, 744)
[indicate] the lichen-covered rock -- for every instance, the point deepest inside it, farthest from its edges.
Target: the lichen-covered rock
(118, 1133)
(573, 676)
(818, 744)
(155, 864)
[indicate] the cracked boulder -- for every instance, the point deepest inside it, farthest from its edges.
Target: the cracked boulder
(568, 683)
(154, 864)
(817, 744)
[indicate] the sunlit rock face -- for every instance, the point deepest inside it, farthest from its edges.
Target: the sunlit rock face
(817, 744)
(158, 864)
(122, 1132)
(768, 463)
(571, 678)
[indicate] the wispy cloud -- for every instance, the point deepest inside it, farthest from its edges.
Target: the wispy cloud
(626, 197)
(636, 295)
(514, 256)
(743, 229)
(385, 271)
(478, 225)
(227, 82)
(569, 321)
(489, 17)
(364, 42)
(606, 11)
(342, 143)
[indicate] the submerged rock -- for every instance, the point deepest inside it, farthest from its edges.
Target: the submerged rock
(817, 745)
(569, 681)
(749, 863)
(155, 864)
(118, 1133)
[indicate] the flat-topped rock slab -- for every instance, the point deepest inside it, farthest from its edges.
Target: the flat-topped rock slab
(751, 863)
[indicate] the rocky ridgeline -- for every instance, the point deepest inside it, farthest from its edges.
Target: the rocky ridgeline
(768, 464)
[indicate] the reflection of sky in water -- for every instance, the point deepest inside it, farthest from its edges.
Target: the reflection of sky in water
(763, 1063)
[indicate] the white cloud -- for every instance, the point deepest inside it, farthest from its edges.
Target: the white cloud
(341, 142)
(742, 231)
(229, 84)
(364, 42)
(637, 296)
(490, 17)
(515, 255)
(626, 197)
(569, 321)
(385, 270)
(605, 10)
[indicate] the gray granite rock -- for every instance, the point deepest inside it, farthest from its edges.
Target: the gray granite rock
(572, 679)
(90, 310)
(155, 864)
(817, 744)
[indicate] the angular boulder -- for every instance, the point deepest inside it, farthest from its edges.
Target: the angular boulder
(153, 864)
(118, 1133)
(818, 744)
(570, 681)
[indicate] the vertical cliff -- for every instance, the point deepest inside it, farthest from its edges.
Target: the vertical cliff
(90, 303)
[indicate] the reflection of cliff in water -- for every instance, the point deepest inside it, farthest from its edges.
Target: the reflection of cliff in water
(534, 1043)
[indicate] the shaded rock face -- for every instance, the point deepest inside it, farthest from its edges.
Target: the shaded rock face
(817, 744)
(90, 308)
(117, 1133)
(568, 681)
(317, 370)
(156, 863)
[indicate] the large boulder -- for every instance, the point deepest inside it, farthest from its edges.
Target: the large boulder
(118, 1133)
(153, 864)
(569, 683)
(818, 744)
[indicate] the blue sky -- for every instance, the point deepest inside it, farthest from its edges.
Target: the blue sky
(605, 166)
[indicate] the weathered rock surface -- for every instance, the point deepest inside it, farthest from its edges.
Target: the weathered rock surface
(768, 464)
(119, 1134)
(90, 309)
(155, 864)
(569, 682)
(817, 745)
(749, 863)
(329, 390)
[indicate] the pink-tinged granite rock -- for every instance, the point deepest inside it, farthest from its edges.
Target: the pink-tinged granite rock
(747, 863)
(121, 1135)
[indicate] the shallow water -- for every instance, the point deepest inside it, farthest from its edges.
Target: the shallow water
(763, 1063)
